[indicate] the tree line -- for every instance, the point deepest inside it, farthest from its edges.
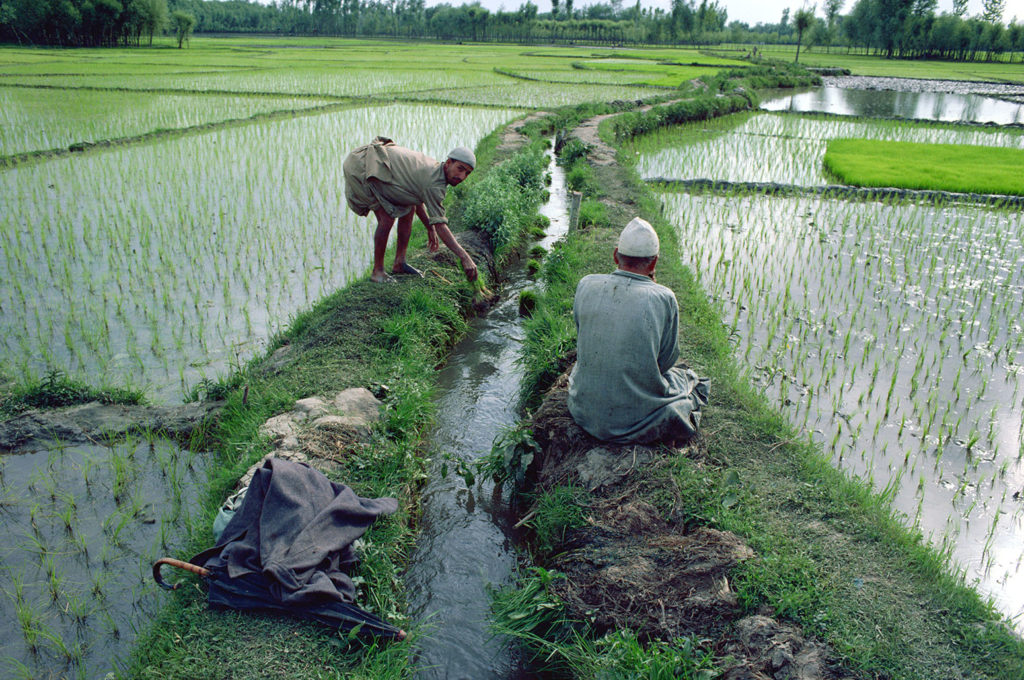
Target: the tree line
(893, 28)
(90, 23)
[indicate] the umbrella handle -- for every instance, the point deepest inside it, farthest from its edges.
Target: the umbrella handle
(187, 566)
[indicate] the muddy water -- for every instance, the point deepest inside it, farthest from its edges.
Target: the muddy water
(81, 527)
(467, 543)
(892, 103)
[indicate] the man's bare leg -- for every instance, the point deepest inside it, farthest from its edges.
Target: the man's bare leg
(380, 244)
(402, 243)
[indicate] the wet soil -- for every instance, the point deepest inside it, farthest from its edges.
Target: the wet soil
(96, 422)
(637, 566)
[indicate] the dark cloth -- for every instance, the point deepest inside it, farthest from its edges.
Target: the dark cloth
(294, 531)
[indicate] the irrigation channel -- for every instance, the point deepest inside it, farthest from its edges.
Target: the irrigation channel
(887, 331)
(467, 538)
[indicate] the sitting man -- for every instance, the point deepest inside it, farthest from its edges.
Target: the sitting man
(625, 386)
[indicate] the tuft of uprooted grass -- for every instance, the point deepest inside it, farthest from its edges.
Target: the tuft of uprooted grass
(57, 389)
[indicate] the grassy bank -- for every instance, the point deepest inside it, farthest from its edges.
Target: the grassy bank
(387, 337)
(937, 167)
(830, 555)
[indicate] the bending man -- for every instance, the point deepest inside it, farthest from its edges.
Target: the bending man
(398, 183)
(625, 386)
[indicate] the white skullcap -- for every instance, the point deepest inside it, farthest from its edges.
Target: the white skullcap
(638, 239)
(461, 153)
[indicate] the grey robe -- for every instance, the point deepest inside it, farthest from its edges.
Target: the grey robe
(624, 386)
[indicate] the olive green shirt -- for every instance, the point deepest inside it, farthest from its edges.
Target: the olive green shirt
(400, 179)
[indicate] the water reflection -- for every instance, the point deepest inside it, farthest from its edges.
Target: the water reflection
(940, 106)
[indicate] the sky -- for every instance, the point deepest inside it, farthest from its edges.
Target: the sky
(748, 11)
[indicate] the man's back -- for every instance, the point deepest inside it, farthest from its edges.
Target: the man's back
(627, 340)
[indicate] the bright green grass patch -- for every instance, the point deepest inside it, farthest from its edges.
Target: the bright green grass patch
(651, 73)
(939, 167)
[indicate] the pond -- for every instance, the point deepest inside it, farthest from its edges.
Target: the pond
(890, 333)
(902, 98)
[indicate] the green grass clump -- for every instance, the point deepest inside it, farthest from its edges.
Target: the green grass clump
(57, 389)
(593, 214)
(503, 204)
(936, 167)
(527, 302)
(557, 511)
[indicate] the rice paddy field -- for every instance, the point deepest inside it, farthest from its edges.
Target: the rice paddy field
(193, 248)
(201, 210)
(787, 149)
(889, 332)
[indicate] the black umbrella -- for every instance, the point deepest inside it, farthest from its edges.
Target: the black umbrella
(287, 548)
(251, 591)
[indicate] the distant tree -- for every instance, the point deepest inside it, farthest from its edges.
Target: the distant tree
(554, 9)
(183, 23)
(152, 16)
(784, 21)
(832, 8)
(801, 22)
(992, 10)
(960, 8)
(568, 9)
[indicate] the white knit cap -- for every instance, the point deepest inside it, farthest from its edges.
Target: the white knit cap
(638, 239)
(461, 153)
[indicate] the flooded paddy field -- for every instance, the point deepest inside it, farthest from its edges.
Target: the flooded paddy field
(82, 525)
(889, 332)
(1004, 107)
(40, 120)
(788, 149)
(165, 264)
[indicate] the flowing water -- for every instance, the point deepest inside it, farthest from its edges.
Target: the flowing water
(467, 544)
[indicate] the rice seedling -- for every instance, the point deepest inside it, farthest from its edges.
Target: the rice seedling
(789, 149)
(134, 242)
(890, 282)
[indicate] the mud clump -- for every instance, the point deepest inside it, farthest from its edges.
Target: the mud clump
(636, 566)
